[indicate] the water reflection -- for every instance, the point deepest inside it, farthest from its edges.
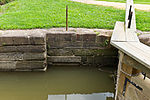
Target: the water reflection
(94, 96)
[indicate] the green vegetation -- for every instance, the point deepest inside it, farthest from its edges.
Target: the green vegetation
(135, 1)
(28, 14)
(4, 1)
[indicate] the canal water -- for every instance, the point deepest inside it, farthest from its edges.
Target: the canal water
(58, 83)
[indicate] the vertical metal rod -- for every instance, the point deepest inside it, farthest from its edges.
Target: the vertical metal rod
(66, 17)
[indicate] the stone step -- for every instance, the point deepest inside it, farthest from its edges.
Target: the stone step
(23, 48)
(22, 37)
(64, 59)
(83, 52)
(14, 56)
(22, 65)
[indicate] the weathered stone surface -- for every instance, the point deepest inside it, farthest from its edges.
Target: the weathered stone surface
(8, 65)
(60, 36)
(23, 48)
(95, 52)
(101, 38)
(89, 37)
(83, 52)
(30, 64)
(79, 37)
(99, 60)
(106, 60)
(60, 52)
(84, 60)
(64, 59)
(22, 56)
(91, 44)
(24, 65)
(66, 44)
(145, 38)
(22, 37)
(90, 60)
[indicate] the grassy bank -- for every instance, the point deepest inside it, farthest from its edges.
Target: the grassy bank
(135, 1)
(28, 14)
(5, 1)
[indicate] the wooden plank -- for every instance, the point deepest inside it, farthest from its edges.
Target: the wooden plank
(131, 36)
(22, 56)
(130, 32)
(119, 32)
(135, 50)
(23, 48)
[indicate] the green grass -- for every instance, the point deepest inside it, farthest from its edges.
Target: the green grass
(5, 1)
(29, 14)
(135, 1)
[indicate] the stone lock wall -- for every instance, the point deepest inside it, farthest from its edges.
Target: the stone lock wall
(80, 48)
(34, 50)
(22, 51)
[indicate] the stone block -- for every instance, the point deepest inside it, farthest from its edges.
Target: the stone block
(95, 52)
(106, 60)
(22, 37)
(90, 60)
(23, 48)
(7, 65)
(103, 40)
(64, 59)
(60, 52)
(64, 44)
(84, 60)
(22, 65)
(31, 64)
(91, 44)
(15, 56)
(89, 37)
(83, 52)
(79, 37)
(60, 36)
(145, 38)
